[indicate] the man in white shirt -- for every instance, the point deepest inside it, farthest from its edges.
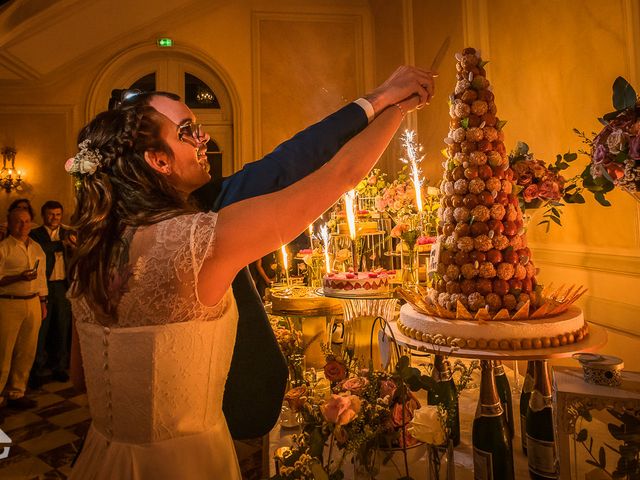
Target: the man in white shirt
(55, 333)
(23, 296)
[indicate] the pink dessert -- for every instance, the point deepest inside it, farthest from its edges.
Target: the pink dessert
(354, 284)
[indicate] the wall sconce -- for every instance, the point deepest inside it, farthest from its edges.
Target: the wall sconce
(10, 178)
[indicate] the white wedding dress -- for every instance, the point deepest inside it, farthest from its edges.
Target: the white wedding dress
(155, 374)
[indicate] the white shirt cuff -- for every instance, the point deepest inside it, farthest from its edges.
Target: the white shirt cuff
(367, 107)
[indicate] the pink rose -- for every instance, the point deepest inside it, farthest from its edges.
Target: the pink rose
(355, 385)
(335, 371)
(341, 409)
(380, 204)
(69, 164)
(409, 407)
(372, 180)
(549, 190)
(530, 193)
(387, 388)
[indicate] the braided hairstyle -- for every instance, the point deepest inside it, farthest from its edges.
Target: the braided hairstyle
(124, 191)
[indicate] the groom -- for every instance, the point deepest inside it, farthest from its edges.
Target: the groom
(258, 374)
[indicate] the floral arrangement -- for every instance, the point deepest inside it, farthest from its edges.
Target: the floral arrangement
(541, 185)
(373, 184)
(362, 412)
(615, 150)
(399, 198)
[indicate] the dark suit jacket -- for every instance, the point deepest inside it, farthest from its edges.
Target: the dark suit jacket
(50, 247)
(258, 375)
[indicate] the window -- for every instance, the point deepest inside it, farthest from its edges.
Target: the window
(145, 84)
(198, 94)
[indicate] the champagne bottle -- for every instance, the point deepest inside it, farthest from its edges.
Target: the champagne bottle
(492, 450)
(541, 449)
(504, 391)
(446, 395)
(527, 387)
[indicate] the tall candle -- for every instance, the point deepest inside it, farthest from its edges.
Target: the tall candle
(413, 150)
(349, 199)
(311, 237)
(324, 233)
(285, 262)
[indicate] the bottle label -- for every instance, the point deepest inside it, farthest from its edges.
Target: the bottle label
(482, 465)
(542, 457)
(523, 430)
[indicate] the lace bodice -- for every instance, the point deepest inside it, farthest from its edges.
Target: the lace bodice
(159, 285)
(155, 377)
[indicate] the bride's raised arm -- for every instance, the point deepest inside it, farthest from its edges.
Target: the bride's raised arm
(249, 229)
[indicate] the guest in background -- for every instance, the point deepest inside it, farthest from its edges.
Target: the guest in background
(23, 297)
(263, 271)
(24, 203)
(55, 333)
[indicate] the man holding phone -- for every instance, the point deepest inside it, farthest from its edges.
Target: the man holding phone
(23, 297)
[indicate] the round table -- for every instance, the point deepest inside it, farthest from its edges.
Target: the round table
(362, 313)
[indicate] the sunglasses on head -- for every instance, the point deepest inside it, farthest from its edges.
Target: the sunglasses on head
(120, 97)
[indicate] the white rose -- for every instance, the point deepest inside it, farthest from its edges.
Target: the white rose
(616, 141)
(426, 425)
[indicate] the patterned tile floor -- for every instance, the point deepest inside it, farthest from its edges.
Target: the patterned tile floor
(46, 439)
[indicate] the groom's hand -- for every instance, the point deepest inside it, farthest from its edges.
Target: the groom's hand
(404, 83)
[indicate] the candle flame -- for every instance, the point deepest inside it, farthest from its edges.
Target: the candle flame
(285, 259)
(349, 198)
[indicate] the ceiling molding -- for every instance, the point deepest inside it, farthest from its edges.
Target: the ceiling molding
(16, 66)
(50, 12)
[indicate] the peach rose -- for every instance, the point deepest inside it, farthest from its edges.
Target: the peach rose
(341, 409)
(296, 397)
(355, 385)
(409, 407)
(530, 193)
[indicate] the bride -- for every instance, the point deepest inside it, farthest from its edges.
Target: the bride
(151, 278)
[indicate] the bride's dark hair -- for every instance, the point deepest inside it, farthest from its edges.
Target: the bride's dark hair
(124, 191)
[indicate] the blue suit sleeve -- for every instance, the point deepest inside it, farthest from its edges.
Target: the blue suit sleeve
(292, 160)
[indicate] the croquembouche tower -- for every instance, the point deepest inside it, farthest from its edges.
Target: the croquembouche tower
(484, 267)
(484, 260)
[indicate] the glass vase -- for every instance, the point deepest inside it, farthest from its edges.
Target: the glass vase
(409, 265)
(297, 367)
(440, 462)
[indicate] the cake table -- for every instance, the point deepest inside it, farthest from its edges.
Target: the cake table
(357, 330)
(596, 339)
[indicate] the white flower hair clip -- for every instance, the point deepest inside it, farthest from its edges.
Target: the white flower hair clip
(85, 162)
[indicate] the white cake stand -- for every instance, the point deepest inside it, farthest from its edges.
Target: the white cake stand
(596, 339)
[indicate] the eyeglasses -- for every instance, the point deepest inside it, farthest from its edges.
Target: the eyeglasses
(192, 133)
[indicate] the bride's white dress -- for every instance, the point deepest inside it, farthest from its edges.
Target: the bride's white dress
(156, 373)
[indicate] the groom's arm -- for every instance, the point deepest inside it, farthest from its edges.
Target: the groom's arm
(290, 161)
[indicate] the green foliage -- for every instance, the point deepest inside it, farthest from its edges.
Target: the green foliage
(627, 432)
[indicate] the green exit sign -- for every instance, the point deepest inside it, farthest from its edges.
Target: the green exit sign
(165, 42)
